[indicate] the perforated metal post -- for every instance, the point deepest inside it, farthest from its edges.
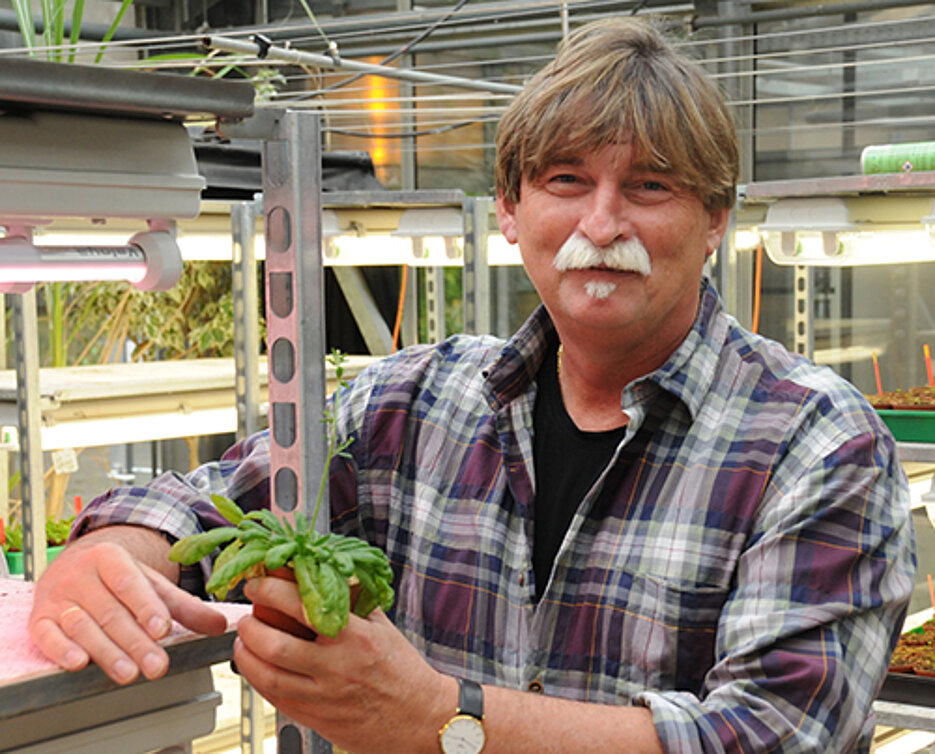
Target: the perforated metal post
(26, 329)
(803, 338)
(295, 336)
(435, 303)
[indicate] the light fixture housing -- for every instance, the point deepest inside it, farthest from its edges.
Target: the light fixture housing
(838, 231)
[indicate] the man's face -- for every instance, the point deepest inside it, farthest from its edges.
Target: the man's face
(615, 251)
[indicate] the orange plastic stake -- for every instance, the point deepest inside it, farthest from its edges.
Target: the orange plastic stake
(876, 371)
(928, 364)
(2, 533)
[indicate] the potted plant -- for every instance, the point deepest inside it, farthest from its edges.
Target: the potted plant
(328, 568)
(56, 533)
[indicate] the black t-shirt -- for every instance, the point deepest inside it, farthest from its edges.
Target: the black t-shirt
(567, 463)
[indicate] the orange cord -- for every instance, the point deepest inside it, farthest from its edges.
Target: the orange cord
(757, 284)
(400, 308)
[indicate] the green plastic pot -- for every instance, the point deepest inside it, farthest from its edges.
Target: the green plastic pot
(14, 560)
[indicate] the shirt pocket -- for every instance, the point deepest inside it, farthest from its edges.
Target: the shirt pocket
(655, 634)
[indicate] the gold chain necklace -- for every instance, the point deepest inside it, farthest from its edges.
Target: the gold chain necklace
(558, 365)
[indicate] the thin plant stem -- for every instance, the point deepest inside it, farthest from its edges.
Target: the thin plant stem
(77, 13)
(112, 30)
(27, 28)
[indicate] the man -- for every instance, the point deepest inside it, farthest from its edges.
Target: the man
(679, 534)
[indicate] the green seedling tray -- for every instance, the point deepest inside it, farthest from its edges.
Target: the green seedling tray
(910, 426)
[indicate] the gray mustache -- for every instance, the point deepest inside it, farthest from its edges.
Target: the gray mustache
(579, 253)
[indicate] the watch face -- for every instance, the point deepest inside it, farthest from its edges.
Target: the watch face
(463, 735)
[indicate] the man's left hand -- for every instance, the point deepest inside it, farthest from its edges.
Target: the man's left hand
(367, 690)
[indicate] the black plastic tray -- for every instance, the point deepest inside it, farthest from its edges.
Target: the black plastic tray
(908, 688)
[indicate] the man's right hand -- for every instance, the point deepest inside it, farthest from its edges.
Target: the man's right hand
(98, 602)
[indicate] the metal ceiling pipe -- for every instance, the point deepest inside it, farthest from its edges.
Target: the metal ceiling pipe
(89, 31)
(456, 38)
(484, 18)
(263, 50)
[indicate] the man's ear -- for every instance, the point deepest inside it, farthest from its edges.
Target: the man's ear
(717, 227)
(506, 217)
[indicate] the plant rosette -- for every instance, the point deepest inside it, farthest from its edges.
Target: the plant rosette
(327, 568)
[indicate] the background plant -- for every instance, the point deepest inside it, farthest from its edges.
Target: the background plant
(56, 532)
(193, 319)
(92, 323)
(50, 44)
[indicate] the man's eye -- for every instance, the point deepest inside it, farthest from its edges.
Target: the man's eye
(653, 186)
(564, 178)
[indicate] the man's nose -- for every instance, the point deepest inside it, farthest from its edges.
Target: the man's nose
(606, 218)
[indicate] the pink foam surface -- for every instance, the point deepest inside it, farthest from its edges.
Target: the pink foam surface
(21, 659)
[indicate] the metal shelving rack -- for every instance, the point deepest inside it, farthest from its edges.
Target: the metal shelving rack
(904, 702)
(127, 104)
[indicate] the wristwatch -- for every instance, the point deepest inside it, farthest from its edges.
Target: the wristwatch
(464, 733)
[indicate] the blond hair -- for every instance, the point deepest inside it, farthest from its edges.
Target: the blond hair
(618, 80)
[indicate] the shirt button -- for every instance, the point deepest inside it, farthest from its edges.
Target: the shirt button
(522, 580)
(535, 686)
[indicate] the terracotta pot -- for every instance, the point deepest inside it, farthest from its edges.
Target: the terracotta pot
(276, 618)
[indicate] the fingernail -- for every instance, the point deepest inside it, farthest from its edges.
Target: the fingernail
(124, 670)
(74, 659)
(158, 627)
(153, 665)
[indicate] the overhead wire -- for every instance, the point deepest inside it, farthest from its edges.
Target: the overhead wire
(765, 65)
(409, 134)
(402, 50)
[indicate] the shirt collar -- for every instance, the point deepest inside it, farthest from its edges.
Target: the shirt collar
(519, 360)
(687, 373)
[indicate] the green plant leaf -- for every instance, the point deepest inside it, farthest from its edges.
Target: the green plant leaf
(367, 598)
(57, 35)
(256, 534)
(278, 556)
(318, 605)
(47, 26)
(227, 508)
(27, 29)
(109, 34)
(336, 590)
(233, 570)
(344, 563)
(191, 549)
(77, 13)
(268, 519)
(227, 554)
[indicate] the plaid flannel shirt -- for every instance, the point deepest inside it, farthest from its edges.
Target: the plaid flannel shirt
(741, 567)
